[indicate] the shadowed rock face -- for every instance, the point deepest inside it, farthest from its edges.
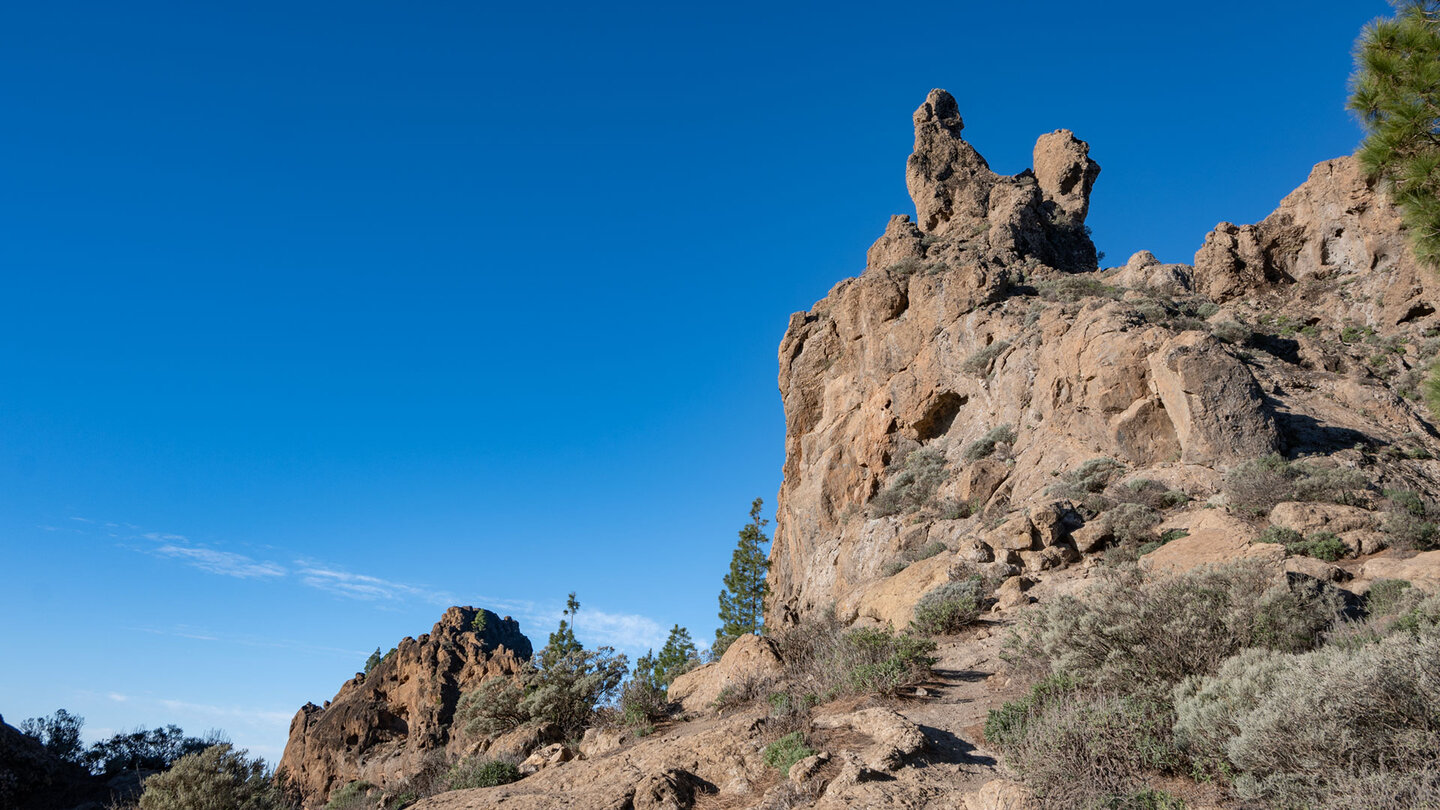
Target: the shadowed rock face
(978, 314)
(32, 778)
(381, 727)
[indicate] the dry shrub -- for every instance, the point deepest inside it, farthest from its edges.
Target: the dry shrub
(1259, 484)
(824, 661)
(1135, 635)
(922, 473)
(1288, 724)
(1085, 749)
(946, 609)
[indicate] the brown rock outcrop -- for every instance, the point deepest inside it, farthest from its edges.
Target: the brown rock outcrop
(381, 727)
(974, 317)
(749, 658)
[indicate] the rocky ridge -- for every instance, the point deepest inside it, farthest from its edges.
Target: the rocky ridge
(382, 727)
(979, 317)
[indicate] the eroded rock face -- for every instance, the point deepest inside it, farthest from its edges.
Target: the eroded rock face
(381, 727)
(975, 316)
(974, 216)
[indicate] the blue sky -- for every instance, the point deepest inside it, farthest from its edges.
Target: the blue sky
(320, 317)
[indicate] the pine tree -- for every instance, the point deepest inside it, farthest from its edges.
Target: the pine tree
(742, 602)
(373, 661)
(1396, 93)
(676, 658)
(562, 642)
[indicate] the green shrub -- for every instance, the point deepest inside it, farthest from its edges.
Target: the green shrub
(1089, 478)
(1149, 493)
(1407, 531)
(1071, 288)
(948, 608)
(1289, 724)
(642, 701)
(476, 772)
(1165, 537)
(1280, 535)
(931, 549)
(786, 751)
(985, 445)
(492, 708)
(978, 364)
(1321, 545)
(1136, 635)
(882, 662)
(894, 567)
(1008, 724)
(218, 777)
(357, 795)
(922, 472)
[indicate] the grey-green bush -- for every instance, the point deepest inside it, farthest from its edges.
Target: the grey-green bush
(922, 473)
(1288, 724)
(476, 772)
(357, 795)
(1086, 749)
(978, 364)
(218, 777)
(786, 751)
(985, 445)
(948, 608)
(1137, 635)
(1259, 484)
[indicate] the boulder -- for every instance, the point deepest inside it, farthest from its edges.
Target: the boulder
(1218, 410)
(1308, 517)
(749, 658)
(1421, 570)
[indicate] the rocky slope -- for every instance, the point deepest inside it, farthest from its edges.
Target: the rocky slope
(984, 397)
(382, 727)
(979, 316)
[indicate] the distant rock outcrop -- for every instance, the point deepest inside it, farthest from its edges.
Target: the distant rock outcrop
(31, 778)
(381, 727)
(1304, 334)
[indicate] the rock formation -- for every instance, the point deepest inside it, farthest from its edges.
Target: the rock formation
(983, 397)
(31, 778)
(980, 315)
(381, 726)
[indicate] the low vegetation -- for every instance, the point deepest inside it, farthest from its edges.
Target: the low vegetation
(1226, 674)
(786, 751)
(922, 471)
(1256, 486)
(218, 776)
(949, 608)
(477, 772)
(979, 363)
(985, 446)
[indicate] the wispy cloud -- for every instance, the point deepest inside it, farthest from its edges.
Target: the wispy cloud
(362, 586)
(627, 632)
(225, 563)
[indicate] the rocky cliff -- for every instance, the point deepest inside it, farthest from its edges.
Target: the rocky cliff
(381, 727)
(940, 406)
